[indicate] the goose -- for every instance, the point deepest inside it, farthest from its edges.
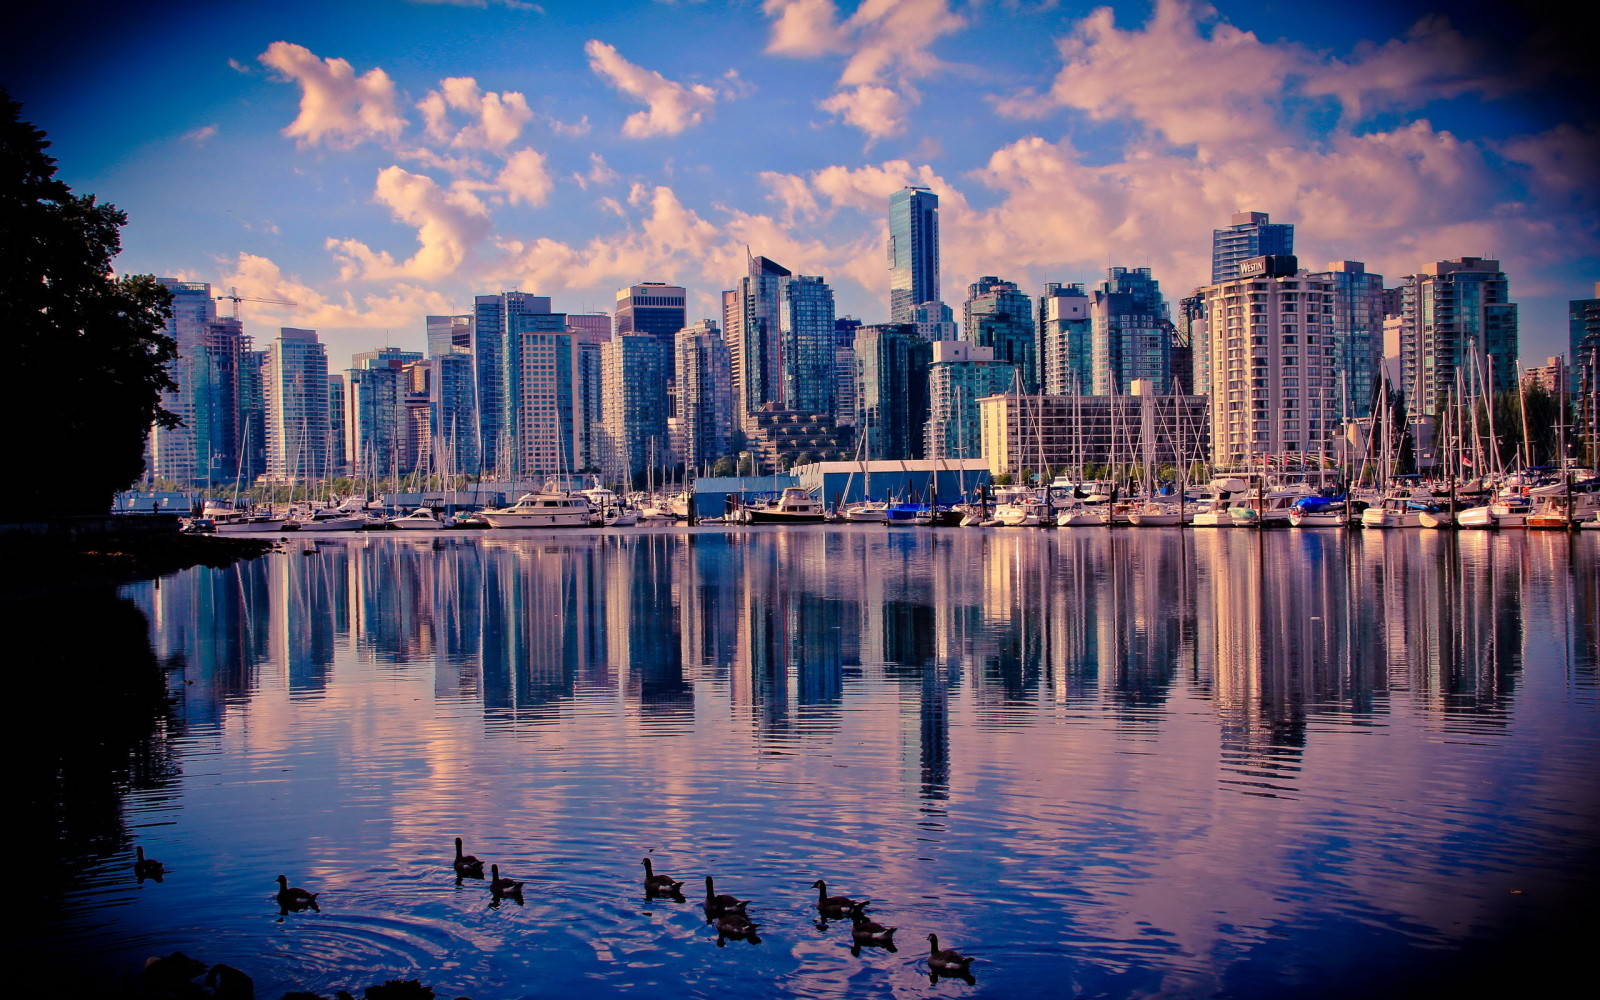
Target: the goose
(147, 867)
(734, 924)
(503, 886)
(294, 898)
(466, 865)
(722, 902)
(948, 959)
(228, 983)
(664, 884)
(834, 905)
(866, 930)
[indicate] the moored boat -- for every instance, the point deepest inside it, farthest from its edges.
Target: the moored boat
(541, 510)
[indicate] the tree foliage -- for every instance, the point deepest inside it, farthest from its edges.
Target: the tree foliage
(92, 350)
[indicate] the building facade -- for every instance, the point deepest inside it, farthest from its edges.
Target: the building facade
(1250, 235)
(892, 363)
(999, 315)
(1274, 357)
(1131, 333)
(913, 251)
(1065, 340)
(806, 328)
(295, 397)
(1458, 333)
(705, 395)
(960, 374)
(1069, 434)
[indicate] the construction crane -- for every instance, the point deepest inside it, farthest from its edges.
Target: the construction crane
(233, 294)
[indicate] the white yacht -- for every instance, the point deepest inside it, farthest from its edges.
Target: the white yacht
(421, 519)
(541, 510)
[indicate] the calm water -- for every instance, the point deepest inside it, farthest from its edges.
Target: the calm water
(1128, 763)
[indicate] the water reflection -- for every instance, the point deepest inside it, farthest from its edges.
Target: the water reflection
(1164, 761)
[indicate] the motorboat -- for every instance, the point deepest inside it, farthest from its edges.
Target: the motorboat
(541, 510)
(1319, 512)
(1398, 512)
(870, 511)
(1077, 514)
(1154, 515)
(795, 505)
(348, 516)
(421, 519)
(228, 519)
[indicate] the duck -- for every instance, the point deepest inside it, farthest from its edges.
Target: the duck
(946, 960)
(294, 898)
(835, 906)
(504, 886)
(663, 884)
(147, 867)
(466, 865)
(866, 930)
(722, 902)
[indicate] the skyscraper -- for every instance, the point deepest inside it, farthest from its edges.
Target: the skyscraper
(1131, 333)
(913, 251)
(633, 379)
(492, 341)
(806, 332)
(705, 394)
(295, 393)
(1583, 331)
(1250, 235)
(751, 325)
(1457, 319)
(892, 389)
(999, 315)
(1274, 355)
(1065, 340)
(960, 374)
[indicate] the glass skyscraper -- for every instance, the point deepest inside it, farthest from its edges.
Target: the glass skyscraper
(913, 251)
(1131, 333)
(806, 316)
(1457, 319)
(999, 315)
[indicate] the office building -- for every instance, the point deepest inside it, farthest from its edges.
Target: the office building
(807, 334)
(633, 380)
(1051, 434)
(493, 341)
(913, 251)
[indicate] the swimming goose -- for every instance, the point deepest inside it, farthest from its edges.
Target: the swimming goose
(295, 898)
(662, 884)
(948, 959)
(866, 930)
(504, 886)
(734, 924)
(837, 906)
(466, 865)
(147, 867)
(722, 902)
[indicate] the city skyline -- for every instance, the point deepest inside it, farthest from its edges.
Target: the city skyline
(376, 177)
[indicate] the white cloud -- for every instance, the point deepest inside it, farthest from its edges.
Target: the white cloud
(495, 120)
(525, 179)
(336, 106)
(888, 45)
(200, 136)
(599, 173)
(450, 222)
(672, 107)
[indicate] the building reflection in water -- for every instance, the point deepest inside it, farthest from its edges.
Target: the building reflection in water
(1272, 629)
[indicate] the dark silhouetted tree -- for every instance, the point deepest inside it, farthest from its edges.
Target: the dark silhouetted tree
(90, 350)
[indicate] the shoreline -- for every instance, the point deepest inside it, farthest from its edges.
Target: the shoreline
(68, 553)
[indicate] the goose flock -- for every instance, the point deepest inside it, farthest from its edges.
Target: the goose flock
(729, 914)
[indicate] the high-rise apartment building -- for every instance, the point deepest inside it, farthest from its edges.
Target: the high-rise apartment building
(805, 318)
(453, 414)
(376, 432)
(999, 315)
(633, 379)
(892, 389)
(913, 251)
(1583, 331)
(1250, 235)
(1458, 333)
(1275, 354)
(751, 323)
(295, 394)
(960, 374)
(1357, 328)
(1065, 340)
(935, 321)
(1130, 333)
(206, 448)
(449, 335)
(705, 395)
(493, 340)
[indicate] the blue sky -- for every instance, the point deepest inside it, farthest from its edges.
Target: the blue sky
(375, 161)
